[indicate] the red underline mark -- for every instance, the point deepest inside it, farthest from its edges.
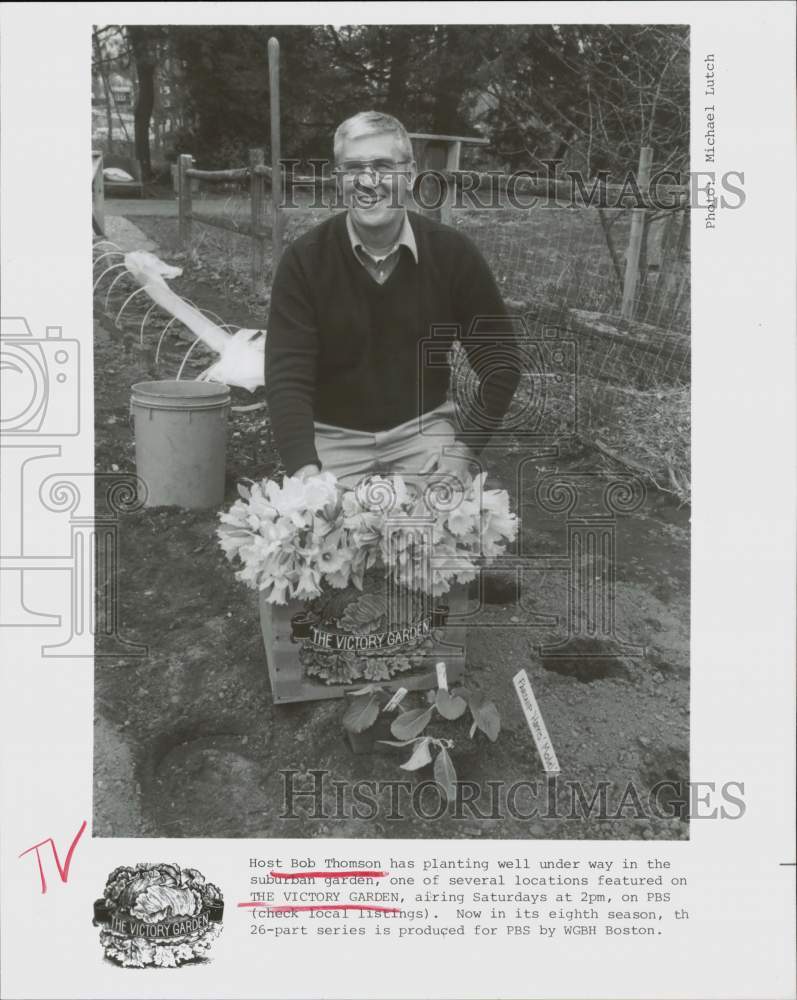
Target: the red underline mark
(357, 874)
(289, 908)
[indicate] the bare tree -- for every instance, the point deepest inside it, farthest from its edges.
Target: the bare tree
(592, 97)
(100, 67)
(144, 46)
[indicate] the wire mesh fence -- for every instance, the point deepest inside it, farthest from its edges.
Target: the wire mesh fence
(562, 269)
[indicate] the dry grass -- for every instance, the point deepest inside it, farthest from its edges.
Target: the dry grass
(648, 432)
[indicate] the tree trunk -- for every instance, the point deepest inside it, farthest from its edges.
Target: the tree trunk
(399, 71)
(105, 87)
(144, 49)
(447, 89)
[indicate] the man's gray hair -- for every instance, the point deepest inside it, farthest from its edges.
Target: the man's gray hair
(372, 123)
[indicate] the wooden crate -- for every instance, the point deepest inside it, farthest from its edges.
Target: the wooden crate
(287, 676)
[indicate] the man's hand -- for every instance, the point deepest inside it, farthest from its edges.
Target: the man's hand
(307, 470)
(459, 467)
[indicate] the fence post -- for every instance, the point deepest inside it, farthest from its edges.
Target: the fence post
(673, 271)
(257, 186)
(97, 194)
(635, 238)
(184, 199)
(452, 163)
(276, 149)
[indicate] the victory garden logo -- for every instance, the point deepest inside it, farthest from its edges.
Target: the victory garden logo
(158, 915)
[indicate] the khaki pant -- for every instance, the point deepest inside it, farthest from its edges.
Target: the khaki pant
(404, 450)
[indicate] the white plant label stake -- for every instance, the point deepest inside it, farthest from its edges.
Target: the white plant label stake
(395, 700)
(536, 722)
(442, 677)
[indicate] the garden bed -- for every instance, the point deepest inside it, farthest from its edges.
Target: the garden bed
(188, 739)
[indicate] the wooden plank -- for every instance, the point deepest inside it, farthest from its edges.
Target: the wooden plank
(236, 174)
(286, 673)
(471, 140)
(643, 335)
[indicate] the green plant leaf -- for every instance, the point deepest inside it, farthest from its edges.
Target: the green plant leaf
(475, 700)
(448, 705)
(411, 724)
(361, 715)
(445, 775)
(366, 690)
(420, 758)
(473, 729)
(243, 492)
(486, 717)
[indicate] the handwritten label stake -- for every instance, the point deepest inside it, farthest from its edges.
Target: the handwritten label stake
(394, 701)
(442, 677)
(536, 722)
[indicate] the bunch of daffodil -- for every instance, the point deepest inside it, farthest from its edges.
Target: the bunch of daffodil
(295, 537)
(287, 536)
(442, 536)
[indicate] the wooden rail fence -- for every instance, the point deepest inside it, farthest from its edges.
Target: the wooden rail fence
(263, 192)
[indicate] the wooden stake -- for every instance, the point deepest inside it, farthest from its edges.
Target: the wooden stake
(97, 194)
(184, 199)
(635, 238)
(276, 149)
(257, 157)
(452, 164)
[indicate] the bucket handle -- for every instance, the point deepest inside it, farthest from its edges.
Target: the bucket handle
(223, 411)
(131, 416)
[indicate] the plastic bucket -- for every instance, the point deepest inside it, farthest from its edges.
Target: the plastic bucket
(181, 441)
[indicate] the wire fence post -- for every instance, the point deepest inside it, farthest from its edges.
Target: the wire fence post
(186, 161)
(257, 188)
(635, 238)
(276, 150)
(97, 193)
(452, 164)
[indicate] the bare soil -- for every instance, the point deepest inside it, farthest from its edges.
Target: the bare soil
(188, 742)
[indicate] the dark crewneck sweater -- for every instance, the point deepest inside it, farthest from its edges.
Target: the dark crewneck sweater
(344, 350)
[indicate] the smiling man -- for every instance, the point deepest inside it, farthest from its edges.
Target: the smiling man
(352, 302)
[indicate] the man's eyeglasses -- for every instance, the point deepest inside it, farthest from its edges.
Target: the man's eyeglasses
(377, 170)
